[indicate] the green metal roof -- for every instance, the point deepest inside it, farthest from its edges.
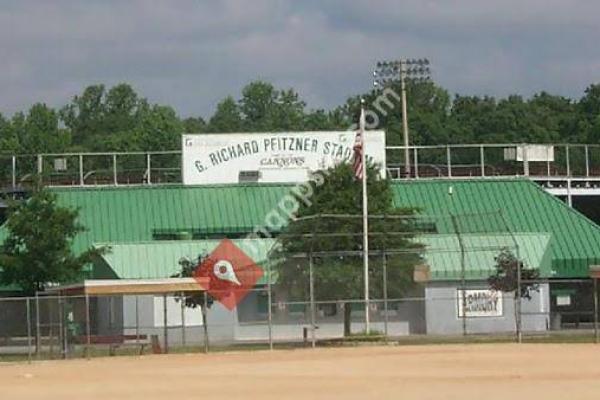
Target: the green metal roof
(134, 214)
(160, 259)
(525, 206)
(443, 256)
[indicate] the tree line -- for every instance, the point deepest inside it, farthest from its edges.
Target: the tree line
(120, 119)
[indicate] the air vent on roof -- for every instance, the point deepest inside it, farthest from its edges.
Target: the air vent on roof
(249, 176)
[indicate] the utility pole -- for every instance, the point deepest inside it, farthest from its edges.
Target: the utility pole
(387, 72)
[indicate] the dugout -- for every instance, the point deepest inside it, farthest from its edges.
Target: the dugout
(110, 311)
(157, 259)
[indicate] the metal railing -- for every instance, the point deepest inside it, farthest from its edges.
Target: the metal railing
(539, 162)
(91, 169)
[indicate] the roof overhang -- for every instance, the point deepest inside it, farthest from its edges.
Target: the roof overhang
(132, 286)
(595, 271)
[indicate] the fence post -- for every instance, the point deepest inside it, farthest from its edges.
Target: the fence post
(525, 159)
(61, 323)
(568, 161)
(88, 339)
(463, 274)
(416, 161)
(596, 334)
(137, 318)
(165, 325)
(14, 172)
(148, 169)
(270, 311)
(517, 300)
(519, 295)
(587, 161)
(183, 337)
(114, 163)
(384, 271)
(40, 165)
(38, 337)
(548, 161)
(28, 331)
(312, 300)
(65, 317)
(50, 326)
(449, 161)
(385, 295)
(205, 322)
(81, 182)
(482, 159)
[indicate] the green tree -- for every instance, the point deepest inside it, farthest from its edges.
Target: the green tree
(42, 133)
(227, 118)
(506, 276)
(120, 120)
(84, 116)
(320, 120)
(589, 115)
(188, 269)
(258, 105)
(122, 108)
(194, 125)
(339, 275)
(506, 279)
(267, 109)
(9, 143)
(37, 249)
(159, 128)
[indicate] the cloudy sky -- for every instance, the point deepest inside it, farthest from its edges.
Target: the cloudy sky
(190, 54)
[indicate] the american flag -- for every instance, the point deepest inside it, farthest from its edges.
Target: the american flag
(359, 147)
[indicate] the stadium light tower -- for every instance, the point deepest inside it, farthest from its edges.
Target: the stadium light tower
(387, 72)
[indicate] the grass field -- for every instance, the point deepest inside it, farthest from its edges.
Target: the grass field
(475, 371)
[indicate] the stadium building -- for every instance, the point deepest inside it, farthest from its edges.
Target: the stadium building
(229, 185)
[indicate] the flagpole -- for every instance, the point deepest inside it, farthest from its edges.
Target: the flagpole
(365, 209)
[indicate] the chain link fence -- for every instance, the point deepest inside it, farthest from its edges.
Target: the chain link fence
(427, 280)
(56, 327)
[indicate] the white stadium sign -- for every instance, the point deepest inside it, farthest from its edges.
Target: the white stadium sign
(271, 157)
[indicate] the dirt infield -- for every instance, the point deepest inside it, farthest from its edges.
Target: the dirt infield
(494, 371)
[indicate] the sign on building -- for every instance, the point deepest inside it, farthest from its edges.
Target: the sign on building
(530, 153)
(271, 157)
(479, 303)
